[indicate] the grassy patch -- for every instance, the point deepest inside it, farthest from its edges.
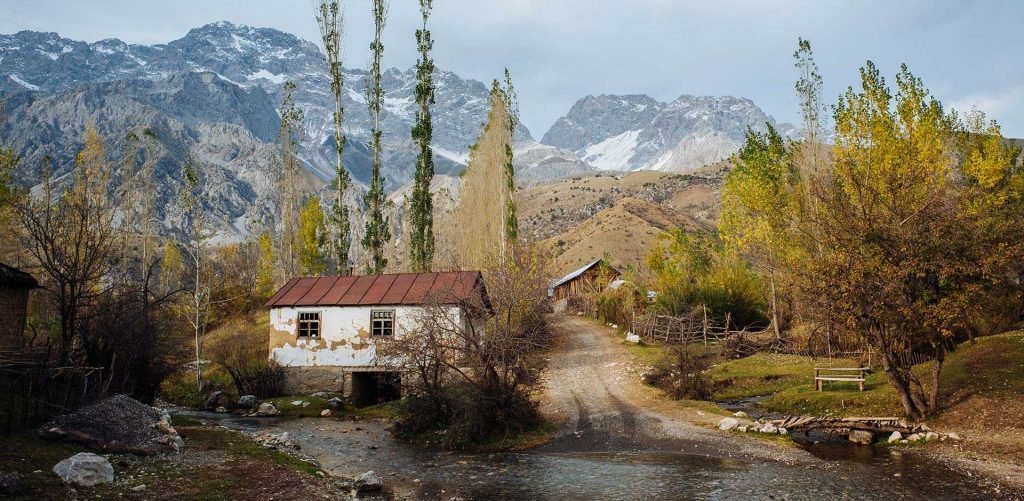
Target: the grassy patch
(991, 366)
(299, 406)
(389, 410)
(529, 439)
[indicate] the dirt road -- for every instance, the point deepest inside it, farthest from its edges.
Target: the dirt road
(593, 387)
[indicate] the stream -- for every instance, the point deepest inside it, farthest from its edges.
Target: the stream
(574, 467)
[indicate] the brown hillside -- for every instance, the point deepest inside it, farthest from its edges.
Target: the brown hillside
(624, 233)
(553, 209)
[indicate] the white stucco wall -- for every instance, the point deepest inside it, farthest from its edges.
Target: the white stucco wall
(345, 339)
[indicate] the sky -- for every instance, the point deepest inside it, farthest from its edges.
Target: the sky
(967, 53)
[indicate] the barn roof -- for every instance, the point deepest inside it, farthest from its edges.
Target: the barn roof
(450, 287)
(577, 273)
(12, 276)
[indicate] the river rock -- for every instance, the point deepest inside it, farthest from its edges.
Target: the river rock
(915, 437)
(85, 468)
(862, 437)
(783, 431)
(931, 436)
(267, 409)
(213, 400)
(336, 403)
(247, 401)
(740, 414)
(325, 413)
(769, 428)
(320, 394)
(632, 338)
(954, 437)
(728, 423)
(743, 429)
(10, 483)
(895, 437)
(368, 482)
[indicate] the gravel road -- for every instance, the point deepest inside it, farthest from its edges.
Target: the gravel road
(592, 386)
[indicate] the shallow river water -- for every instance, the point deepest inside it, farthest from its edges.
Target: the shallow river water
(571, 468)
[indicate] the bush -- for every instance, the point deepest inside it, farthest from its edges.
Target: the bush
(240, 348)
(180, 387)
(682, 376)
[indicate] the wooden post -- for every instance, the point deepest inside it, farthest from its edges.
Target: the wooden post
(705, 324)
(817, 382)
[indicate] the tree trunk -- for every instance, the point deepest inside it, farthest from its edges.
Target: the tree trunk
(902, 386)
(933, 391)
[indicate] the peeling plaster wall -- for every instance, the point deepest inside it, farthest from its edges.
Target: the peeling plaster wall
(344, 340)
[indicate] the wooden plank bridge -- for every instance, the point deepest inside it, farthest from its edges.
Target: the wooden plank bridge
(807, 423)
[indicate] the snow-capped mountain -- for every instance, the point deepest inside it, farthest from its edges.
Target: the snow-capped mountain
(637, 132)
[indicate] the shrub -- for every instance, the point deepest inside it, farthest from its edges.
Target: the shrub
(682, 376)
(240, 348)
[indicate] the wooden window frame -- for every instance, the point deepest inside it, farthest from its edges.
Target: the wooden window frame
(386, 320)
(313, 331)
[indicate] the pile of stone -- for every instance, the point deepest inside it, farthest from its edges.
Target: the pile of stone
(922, 436)
(117, 424)
(759, 426)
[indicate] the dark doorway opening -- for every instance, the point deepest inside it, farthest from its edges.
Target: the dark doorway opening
(372, 388)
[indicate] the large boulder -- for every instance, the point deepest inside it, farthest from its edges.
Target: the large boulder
(895, 437)
(85, 468)
(862, 437)
(368, 482)
(266, 409)
(728, 423)
(247, 402)
(213, 400)
(117, 424)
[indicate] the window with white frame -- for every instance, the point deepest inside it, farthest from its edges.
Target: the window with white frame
(382, 322)
(309, 324)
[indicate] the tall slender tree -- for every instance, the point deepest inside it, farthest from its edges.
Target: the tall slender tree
(421, 205)
(509, 217)
(288, 179)
(377, 232)
(329, 18)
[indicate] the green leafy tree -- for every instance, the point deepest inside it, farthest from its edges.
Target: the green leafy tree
(421, 205)
(311, 239)
(757, 208)
(511, 220)
(329, 19)
(378, 232)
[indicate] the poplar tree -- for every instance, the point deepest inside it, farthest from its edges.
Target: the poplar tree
(311, 239)
(329, 18)
(377, 233)
(509, 218)
(421, 206)
(288, 180)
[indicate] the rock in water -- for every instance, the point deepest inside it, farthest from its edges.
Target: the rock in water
(895, 437)
(267, 409)
(861, 437)
(117, 424)
(740, 414)
(247, 402)
(728, 423)
(368, 482)
(85, 469)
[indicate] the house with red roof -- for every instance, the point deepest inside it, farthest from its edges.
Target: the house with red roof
(323, 330)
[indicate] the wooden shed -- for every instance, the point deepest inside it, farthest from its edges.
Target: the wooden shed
(591, 278)
(14, 290)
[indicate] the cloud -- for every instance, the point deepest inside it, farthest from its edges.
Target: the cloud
(994, 104)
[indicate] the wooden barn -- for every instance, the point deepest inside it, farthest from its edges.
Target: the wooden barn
(590, 279)
(14, 290)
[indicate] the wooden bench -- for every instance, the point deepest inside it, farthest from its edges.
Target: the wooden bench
(844, 374)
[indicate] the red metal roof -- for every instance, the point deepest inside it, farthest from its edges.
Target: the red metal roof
(380, 290)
